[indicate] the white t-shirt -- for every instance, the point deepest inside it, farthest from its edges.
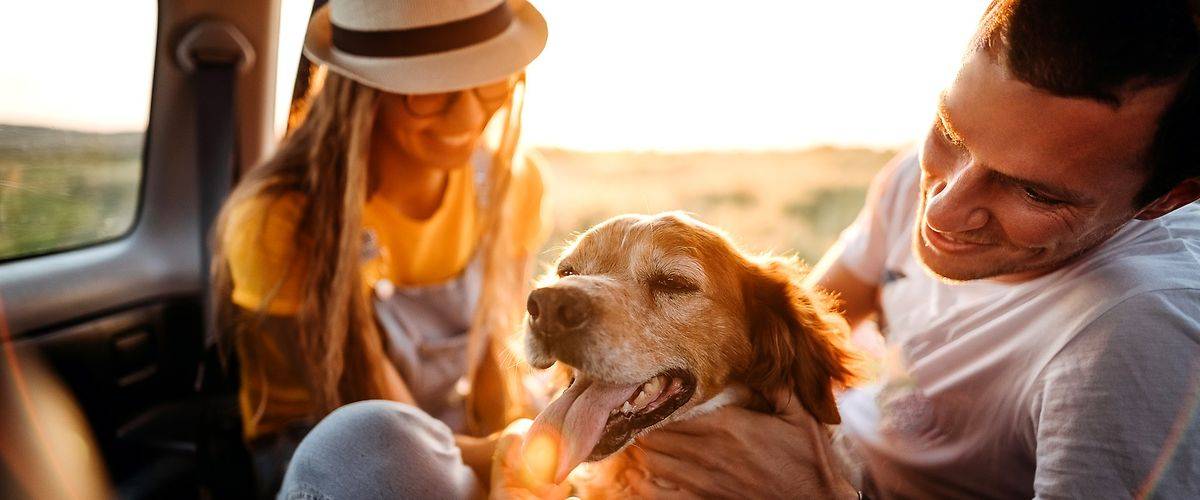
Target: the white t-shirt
(1082, 383)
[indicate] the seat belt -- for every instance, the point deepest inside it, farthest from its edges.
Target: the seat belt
(216, 138)
(212, 53)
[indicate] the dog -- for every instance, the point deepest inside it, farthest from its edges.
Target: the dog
(661, 318)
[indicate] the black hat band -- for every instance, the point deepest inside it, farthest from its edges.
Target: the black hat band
(426, 39)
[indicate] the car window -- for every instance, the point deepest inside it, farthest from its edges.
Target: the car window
(293, 21)
(74, 104)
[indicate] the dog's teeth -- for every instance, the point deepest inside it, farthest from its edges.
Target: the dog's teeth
(643, 398)
(627, 408)
(650, 391)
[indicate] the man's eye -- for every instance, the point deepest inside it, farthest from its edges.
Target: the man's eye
(1039, 198)
(672, 284)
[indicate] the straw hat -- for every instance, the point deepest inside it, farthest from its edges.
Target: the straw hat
(425, 46)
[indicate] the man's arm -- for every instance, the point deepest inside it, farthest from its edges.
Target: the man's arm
(737, 453)
(857, 298)
(850, 268)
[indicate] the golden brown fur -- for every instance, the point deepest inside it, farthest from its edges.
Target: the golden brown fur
(740, 321)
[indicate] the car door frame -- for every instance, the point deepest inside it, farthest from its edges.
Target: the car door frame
(120, 321)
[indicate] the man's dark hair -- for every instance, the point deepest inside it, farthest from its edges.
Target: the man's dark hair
(1103, 49)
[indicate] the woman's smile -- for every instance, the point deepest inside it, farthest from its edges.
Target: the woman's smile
(452, 140)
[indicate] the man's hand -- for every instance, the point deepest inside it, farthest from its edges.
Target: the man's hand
(737, 453)
(511, 478)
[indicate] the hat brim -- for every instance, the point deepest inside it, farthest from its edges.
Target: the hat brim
(472, 66)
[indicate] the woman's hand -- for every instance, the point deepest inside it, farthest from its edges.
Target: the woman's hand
(737, 453)
(477, 453)
(511, 476)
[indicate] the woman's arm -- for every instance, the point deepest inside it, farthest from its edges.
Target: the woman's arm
(270, 353)
(510, 477)
(477, 453)
(395, 387)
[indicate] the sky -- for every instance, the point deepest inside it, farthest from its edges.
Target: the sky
(670, 75)
(77, 64)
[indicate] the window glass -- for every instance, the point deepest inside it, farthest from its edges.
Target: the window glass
(74, 103)
(293, 22)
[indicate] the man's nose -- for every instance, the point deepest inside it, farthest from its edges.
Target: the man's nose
(955, 204)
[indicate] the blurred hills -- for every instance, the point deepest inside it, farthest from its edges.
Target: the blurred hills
(22, 143)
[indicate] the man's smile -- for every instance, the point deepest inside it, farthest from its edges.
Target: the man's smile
(946, 244)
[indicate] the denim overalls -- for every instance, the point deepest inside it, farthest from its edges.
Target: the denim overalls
(426, 327)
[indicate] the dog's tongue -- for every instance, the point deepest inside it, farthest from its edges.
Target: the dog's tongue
(578, 416)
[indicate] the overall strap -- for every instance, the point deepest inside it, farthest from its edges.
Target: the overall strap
(481, 164)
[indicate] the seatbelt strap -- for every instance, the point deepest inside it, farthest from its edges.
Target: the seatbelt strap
(216, 160)
(212, 53)
(216, 136)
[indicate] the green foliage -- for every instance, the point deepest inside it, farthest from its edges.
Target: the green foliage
(61, 189)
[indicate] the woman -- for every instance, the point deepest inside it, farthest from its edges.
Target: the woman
(383, 252)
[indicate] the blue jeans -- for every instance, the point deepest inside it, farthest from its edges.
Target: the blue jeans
(379, 449)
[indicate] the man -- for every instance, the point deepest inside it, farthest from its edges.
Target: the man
(1035, 268)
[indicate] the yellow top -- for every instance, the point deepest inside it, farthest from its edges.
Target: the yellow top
(266, 274)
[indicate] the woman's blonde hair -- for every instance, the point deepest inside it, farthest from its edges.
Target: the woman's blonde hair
(324, 158)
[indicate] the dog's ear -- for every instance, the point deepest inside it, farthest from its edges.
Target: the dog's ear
(798, 341)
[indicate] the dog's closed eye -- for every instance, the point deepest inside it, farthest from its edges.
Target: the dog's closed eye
(671, 283)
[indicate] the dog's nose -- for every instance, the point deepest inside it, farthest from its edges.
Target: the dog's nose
(556, 310)
(531, 305)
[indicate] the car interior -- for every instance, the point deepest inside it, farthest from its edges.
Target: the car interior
(111, 380)
(122, 322)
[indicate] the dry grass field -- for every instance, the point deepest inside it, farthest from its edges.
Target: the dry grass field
(782, 202)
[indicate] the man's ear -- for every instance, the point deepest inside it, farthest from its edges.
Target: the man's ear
(797, 342)
(1182, 194)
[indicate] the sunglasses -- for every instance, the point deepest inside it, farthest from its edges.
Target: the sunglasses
(491, 95)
